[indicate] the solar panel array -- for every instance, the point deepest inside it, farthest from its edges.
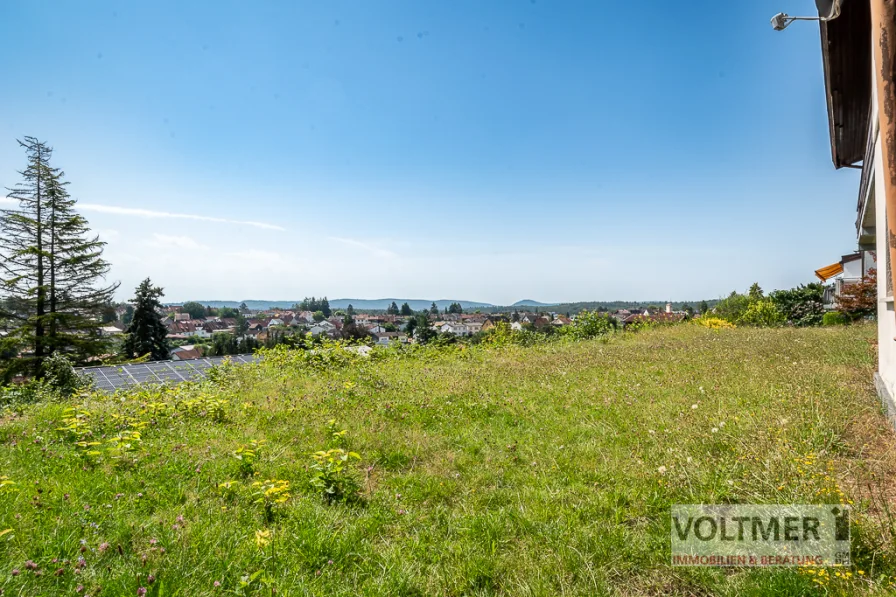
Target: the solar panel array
(109, 379)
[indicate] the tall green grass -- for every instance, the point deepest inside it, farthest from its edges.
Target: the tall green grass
(544, 470)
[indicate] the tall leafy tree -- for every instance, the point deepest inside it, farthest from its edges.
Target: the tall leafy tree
(196, 310)
(242, 325)
(420, 328)
(109, 314)
(128, 315)
(756, 292)
(392, 309)
(406, 310)
(52, 268)
(147, 334)
(434, 310)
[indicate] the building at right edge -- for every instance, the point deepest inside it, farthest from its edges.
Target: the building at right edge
(853, 118)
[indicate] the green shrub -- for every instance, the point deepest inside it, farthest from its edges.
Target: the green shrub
(802, 306)
(761, 313)
(61, 375)
(590, 324)
(732, 307)
(835, 318)
(35, 390)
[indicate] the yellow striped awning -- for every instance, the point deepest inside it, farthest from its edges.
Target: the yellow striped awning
(829, 271)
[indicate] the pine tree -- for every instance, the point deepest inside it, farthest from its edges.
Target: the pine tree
(406, 310)
(434, 310)
(393, 309)
(50, 266)
(147, 333)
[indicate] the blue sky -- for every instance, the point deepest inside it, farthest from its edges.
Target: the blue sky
(483, 151)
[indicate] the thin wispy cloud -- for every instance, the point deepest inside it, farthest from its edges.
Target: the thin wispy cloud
(378, 251)
(148, 213)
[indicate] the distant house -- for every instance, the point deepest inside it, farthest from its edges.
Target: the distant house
(385, 338)
(459, 329)
(487, 325)
(188, 328)
(110, 330)
(186, 352)
(322, 327)
(212, 327)
(850, 269)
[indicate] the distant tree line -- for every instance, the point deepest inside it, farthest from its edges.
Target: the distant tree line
(314, 304)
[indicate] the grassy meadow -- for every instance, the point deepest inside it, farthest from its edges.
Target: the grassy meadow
(543, 470)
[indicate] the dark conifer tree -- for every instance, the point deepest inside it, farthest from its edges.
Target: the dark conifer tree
(52, 268)
(147, 334)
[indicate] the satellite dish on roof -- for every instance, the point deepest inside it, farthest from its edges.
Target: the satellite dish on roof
(828, 10)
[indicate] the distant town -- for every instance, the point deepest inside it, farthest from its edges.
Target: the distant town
(196, 330)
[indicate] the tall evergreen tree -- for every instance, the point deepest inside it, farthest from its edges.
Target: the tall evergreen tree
(147, 334)
(406, 310)
(392, 309)
(434, 310)
(51, 266)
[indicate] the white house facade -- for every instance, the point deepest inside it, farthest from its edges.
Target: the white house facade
(854, 124)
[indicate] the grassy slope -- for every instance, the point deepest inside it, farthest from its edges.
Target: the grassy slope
(513, 471)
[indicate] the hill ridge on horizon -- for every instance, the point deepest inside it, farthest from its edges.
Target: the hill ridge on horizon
(382, 304)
